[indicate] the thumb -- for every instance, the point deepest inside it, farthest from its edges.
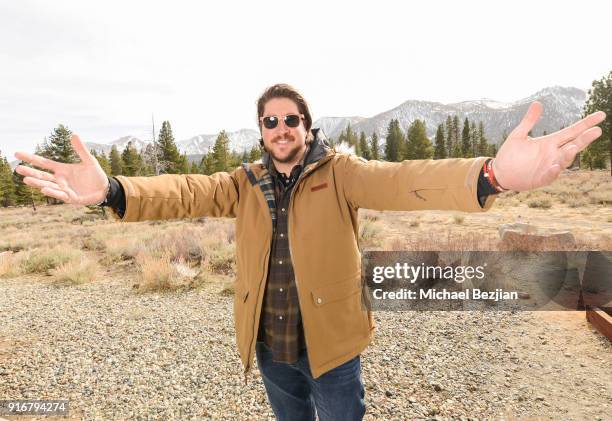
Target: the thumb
(533, 114)
(81, 150)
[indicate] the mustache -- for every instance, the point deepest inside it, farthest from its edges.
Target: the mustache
(288, 137)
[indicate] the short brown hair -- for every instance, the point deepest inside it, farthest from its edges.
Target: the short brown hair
(282, 90)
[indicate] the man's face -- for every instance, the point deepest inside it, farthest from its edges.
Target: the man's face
(283, 143)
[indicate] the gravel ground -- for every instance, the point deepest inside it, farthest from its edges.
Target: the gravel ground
(117, 355)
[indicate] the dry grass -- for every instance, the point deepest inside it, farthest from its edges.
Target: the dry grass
(540, 203)
(10, 264)
(47, 242)
(45, 259)
(161, 274)
(458, 219)
(76, 272)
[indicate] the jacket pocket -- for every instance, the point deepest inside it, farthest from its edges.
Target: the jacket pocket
(340, 318)
(335, 292)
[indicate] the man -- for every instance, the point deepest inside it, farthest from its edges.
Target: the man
(297, 304)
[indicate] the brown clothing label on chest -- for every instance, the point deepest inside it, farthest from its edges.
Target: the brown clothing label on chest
(318, 187)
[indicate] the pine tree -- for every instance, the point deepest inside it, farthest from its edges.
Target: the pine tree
(103, 161)
(374, 147)
(207, 164)
(254, 154)
(149, 159)
(59, 147)
(449, 136)
(492, 150)
(600, 99)
(364, 149)
(183, 164)
(7, 186)
(466, 142)
(220, 152)
(195, 169)
(474, 139)
(131, 161)
(457, 148)
(394, 141)
(26, 195)
(440, 146)
(483, 144)
(116, 162)
(418, 145)
(169, 157)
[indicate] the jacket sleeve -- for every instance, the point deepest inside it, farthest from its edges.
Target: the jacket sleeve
(445, 184)
(172, 196)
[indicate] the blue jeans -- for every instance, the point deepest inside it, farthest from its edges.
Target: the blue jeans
(337, 395)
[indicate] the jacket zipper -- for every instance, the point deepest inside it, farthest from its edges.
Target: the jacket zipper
(300, 178)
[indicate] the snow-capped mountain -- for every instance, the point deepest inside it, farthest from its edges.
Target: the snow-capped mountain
(240, 141)
(562, 106)
(120, 143)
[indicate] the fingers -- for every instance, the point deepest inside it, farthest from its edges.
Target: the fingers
(37, 161)
(58, 194)
(533, 114)
(568, 152)
(48, 188)
(80, 149)
(31, 172)
(565, 135)
(40, 184)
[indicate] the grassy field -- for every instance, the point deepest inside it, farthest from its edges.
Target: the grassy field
(69, 246)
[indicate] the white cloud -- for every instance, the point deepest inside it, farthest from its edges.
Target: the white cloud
(103, 68)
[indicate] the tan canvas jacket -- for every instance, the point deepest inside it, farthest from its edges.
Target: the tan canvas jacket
(323, 234)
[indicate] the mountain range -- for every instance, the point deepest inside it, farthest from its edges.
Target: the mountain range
(562, 107)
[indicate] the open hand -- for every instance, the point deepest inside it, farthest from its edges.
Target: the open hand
(525, 163)
(82, 183)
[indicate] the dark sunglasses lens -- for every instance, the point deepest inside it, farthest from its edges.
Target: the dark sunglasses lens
(292, 120)
(270, 122)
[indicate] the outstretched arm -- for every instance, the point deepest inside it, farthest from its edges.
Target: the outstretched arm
(166, 196)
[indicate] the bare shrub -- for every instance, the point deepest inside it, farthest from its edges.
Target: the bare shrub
(540, 203)
(76, 272)
(228, 290)
(10, 264)
(222, 259)
(156, 274)
(458, 219)
(44, 259)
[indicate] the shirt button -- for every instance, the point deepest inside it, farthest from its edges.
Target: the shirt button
(280, 317)
(283, 210)
(280, 262)
(282, 235)
(319, 301)
(280, 289)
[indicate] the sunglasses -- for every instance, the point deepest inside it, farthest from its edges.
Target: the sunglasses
(291, 120)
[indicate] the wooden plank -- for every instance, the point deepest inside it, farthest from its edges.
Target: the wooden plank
(601, 320)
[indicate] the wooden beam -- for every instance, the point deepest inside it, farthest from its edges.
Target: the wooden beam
(601, 320)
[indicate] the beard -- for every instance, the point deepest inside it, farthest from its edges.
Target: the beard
(291, 155)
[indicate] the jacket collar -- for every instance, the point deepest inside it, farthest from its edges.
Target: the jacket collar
(317, 150)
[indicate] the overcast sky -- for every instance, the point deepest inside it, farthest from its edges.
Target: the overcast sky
(102, 68)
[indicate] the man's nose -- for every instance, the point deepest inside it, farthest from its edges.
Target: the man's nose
(282, 126)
